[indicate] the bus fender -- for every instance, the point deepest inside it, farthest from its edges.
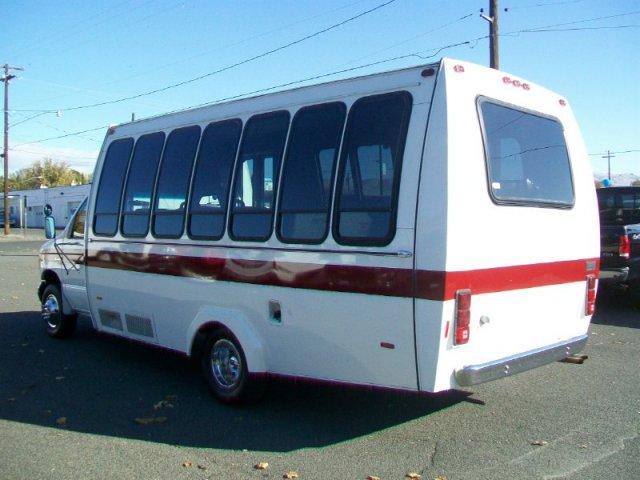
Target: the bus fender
(210, 317)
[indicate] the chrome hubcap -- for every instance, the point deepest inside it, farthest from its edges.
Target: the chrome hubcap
(226, 363)
(51, 311)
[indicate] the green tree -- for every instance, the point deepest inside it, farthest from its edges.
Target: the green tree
(46, 173)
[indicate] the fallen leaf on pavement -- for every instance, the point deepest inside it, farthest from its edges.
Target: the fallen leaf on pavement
(60, 378)
(201, 467)
(261, 466)
(372, 477)
(539, 443)
(187, 464)
(440, 477)
(413, 476)
(61, 421)
(290, 475)
(149, 420)
(162, 404)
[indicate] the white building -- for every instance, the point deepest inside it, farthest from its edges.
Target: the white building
(27, 205)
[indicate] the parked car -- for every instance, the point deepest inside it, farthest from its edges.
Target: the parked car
(13, 220)
(620, 237)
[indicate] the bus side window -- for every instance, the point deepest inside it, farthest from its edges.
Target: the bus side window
(369, 175)
(110, 186)
(136, 205)
(256, 176)
(212, 178)
(173, 182)
(307, 176)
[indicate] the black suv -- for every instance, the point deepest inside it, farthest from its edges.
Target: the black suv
(620, 237)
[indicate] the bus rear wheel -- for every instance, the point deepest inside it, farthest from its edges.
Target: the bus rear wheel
(57, 324)
(225, 368)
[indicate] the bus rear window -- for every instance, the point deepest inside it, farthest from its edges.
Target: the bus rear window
(527, 160)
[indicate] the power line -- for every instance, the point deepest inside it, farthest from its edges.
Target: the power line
(228, 67)
(606, 17)
(231, 45)
(576, 29)
(70, 134)
(320, 76)
(548, 4)
(44, 153)
(300, 40)
(29, 118)
(622, 152)
(57, 129)
(419, 55)
(444, 25)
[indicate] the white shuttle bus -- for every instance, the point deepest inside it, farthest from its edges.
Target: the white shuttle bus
(423, 229)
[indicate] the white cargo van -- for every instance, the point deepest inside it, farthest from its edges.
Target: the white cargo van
(423, 229)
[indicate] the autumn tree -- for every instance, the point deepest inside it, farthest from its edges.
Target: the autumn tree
(46, 173)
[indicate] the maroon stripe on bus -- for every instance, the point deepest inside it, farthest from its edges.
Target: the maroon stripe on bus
(499, 279)
(397, 282)
(339, 278)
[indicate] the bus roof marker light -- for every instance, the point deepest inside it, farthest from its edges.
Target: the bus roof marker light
(458, 69)
(562, 102)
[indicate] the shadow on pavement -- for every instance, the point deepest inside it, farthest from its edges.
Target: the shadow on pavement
(614, 307)
(101, 385)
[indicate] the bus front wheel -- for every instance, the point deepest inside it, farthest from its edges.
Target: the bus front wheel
(57, 324)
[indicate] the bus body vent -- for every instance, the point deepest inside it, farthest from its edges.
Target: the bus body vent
(139, 325)
(110, 319)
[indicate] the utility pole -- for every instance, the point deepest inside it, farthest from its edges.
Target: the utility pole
(609, 156)
(494, 51)
(6, 79)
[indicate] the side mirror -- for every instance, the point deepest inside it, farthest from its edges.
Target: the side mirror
(49, 227)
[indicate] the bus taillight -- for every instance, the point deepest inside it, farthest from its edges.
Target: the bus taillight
(590, 306)
(624, 246)
(463, 317)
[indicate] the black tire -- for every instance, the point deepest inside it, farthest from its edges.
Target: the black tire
(224, 366)
(57, 324)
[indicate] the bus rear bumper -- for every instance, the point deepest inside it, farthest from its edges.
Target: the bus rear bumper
(504, 367)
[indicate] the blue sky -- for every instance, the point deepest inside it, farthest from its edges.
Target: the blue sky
(78, 53)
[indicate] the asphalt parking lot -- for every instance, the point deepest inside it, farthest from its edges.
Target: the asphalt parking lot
(95, 407)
